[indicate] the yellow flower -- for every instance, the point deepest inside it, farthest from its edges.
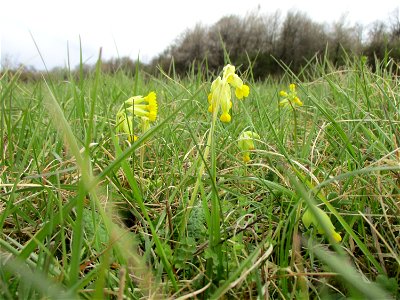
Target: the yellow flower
(220, 94)
(225, 117)
(290, 98)
(309, 218)
(144, 107)
(246, 157)
(242, 92)
(246, 143)
(297, 101)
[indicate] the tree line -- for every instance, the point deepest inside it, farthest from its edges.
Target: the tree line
(268, 41)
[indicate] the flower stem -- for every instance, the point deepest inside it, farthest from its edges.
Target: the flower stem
(197, 185)
(295, 128)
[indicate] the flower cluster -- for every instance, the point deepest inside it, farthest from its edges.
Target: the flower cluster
(246, 143)
(309, 218)
(290, 98)
(144, 107)
(220, 94)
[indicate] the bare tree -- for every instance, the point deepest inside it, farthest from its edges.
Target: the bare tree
(300, 39)
(377, 43)
(191, 46)
(226, 33)
(344, 39)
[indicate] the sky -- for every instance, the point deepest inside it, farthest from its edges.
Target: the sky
(54, 30)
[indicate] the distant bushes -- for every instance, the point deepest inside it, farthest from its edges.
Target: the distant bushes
(111, 66)
(292, 40)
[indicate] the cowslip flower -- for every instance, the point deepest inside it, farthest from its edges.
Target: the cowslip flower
(246, 143)
(220, 93)
(309, 218)
(144, 107)
(290, 98)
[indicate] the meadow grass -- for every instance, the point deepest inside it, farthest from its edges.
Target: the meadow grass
(177, 214)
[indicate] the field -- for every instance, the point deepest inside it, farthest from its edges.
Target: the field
(306, 205)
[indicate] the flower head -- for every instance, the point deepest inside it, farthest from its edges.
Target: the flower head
(290, 98)
(310, 218)
(220, 93)
(246, 143)
(144, 107)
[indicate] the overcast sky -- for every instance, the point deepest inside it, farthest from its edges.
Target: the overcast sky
(146, 27)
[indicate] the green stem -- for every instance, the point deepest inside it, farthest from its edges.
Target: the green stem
(295, 128)
(215, 223)
(145, 127)
(198, 180)
(142, 161)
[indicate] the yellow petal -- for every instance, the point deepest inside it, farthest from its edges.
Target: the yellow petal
(152, 115)
(242, 92)
(283, 94)
(297, 101)
(246, 157)
(225, 117)
(245, 90)
(152, 96)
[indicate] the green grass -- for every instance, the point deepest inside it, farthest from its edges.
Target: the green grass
(85, 215)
